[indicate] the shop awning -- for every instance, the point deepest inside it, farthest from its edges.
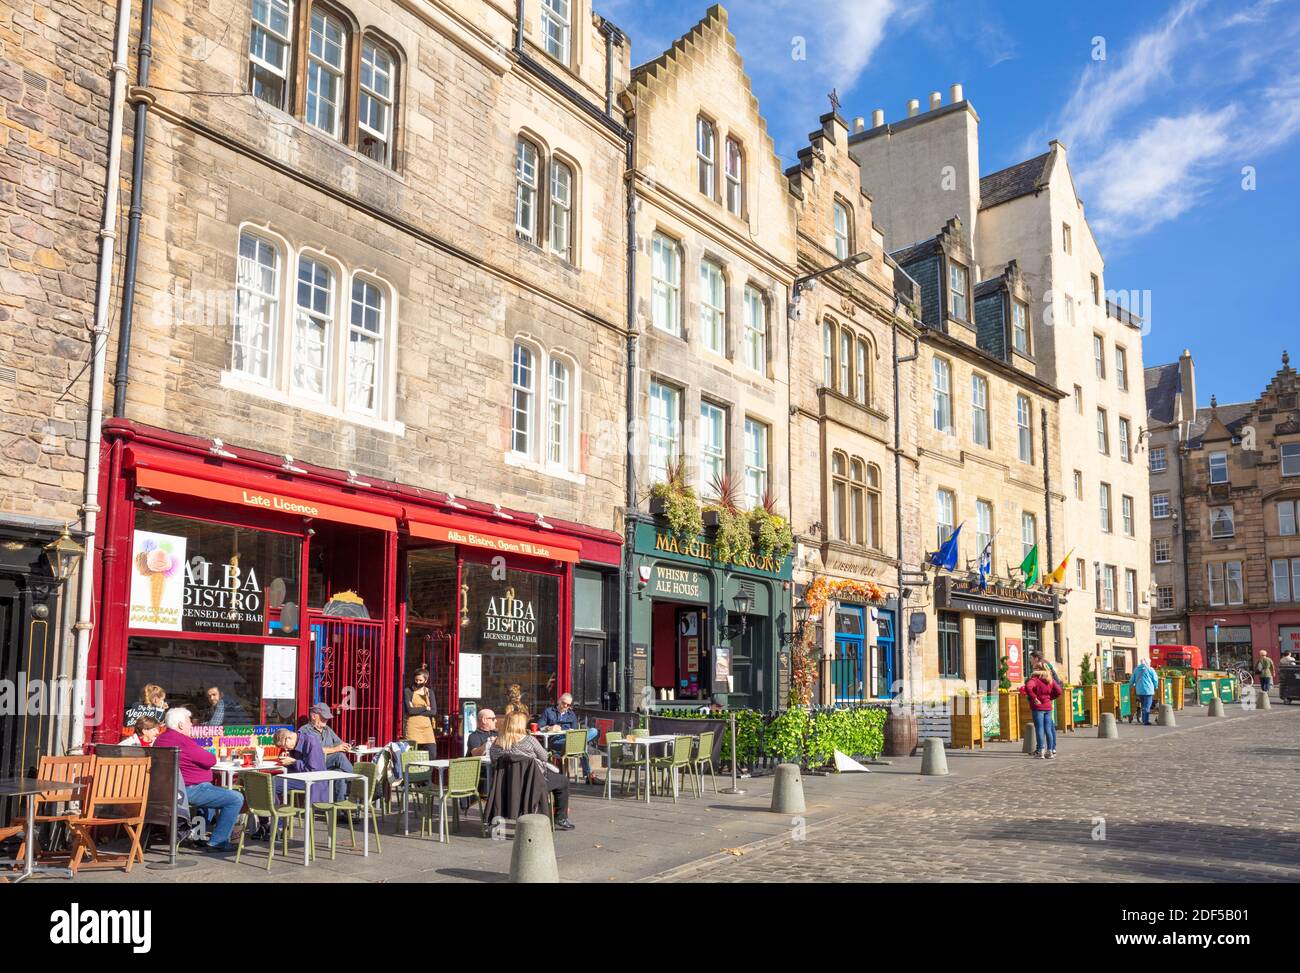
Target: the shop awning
(258, 493)
(501, 539)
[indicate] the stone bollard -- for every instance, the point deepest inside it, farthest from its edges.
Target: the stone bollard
(1165, 715)
(1031, 738)
(1216, 707)
(533, 858)
(1261, 700)
(1107, 729)
(787, 790)
(934, 762)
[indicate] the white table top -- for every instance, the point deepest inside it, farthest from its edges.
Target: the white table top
(548, 733)
(443, 762)
(312, 776)
(365, 751)
(649, 740)
(226, 766)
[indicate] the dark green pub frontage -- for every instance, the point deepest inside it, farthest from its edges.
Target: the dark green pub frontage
(702, 630)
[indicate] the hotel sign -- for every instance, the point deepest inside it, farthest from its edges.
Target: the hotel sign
(1120, 628)
(1005, 601)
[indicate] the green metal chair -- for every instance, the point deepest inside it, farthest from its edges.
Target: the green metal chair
(259, 794)
(575, 748)
(622, 758)
(419, 787)
(462, 782)
(704, 755)
(353, 803)
(678, 760)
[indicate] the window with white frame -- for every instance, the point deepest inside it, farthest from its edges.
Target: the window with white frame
(1288, 514)
(1225, 583)
(1108, 588)
(1159, 459)
(269, 45)
(1286, 579)
(1126, 514)
(756, 470)
(1159, 505)
(1160, 550)
(1219, 467)
(706, 156)
(1020, 327)
(1105, 507)
(839, 496)
(1232, 577)
(556, 29)
(375, 103)
(862, 382)
(257, 308)
(313, 328)
(558, 407)
(1103, 433)
(1221, 522)
(942, 388)
(713, 447)
(755, 340)
(846, 362)
(1124, 452)
(979, 410)
(1099, 355)
(1130, 591)
(1165, 597)
(365, 346)
(523, 399)
(665, 430)
(1078, 484)
(1289, 453)
(874, 539)
(1024, 429)
(561, 209)
(957, 294)
(526, 169)
(735, 160)
(326, 52)
(666, 284)
(843, 237)
(1121, 368)
(945, 506)
(857, 500)
(1028, 533)
(983, 525)
(828, 354)
(713, 307)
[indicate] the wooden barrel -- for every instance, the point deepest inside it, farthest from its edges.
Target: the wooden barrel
(900, 734)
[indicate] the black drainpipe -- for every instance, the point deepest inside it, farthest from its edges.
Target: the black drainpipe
(143, 99)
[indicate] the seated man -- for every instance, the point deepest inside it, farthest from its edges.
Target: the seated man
(196, 773)
(481, 739)
(333, 746)
(562, 717)
(303, 754)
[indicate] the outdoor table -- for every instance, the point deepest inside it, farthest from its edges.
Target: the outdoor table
(546, 735)
(363, 753)
(641, 741)
(33, 788)
(440, 766)
(229, 768)
(316, 776)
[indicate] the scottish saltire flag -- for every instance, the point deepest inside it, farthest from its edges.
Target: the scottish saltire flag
(986, 564)
(946, 556)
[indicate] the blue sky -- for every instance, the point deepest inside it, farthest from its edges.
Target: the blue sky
(1188, 94)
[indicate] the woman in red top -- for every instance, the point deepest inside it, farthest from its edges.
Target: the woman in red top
(1042, 690)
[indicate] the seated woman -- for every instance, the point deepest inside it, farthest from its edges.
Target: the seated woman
(514, 738)
(143, 733)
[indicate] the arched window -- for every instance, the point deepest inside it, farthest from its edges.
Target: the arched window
(523, 385)
(706, 156)
(365, 345)
(735, 178)
(326, 56)
(874, 539)
(839, 496)
(526, 166)
(257, 308)
(858, 500)
(375, 102)
(269, 45)
(561, 209)
(313, 327)
(558, 399)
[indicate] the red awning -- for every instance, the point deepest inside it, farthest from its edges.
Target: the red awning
(501, 538)
(257, 491)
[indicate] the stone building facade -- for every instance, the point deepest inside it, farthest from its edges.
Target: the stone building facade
(1241, 488)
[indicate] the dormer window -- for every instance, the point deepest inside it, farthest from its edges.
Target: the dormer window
(957, 299)
(1020, 327)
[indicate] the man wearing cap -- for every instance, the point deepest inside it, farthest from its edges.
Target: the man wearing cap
(335, 749)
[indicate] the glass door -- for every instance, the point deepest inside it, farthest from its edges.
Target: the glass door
(848, 677)
(986, 654)
(885, 645)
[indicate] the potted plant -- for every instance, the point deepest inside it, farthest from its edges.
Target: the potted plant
(772, 534)
(676, 503)
(732, 541)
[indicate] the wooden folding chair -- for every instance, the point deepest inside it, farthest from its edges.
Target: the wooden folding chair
(118, 795)
(77, 771)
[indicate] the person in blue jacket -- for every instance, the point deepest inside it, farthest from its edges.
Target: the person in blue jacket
(1145, 682)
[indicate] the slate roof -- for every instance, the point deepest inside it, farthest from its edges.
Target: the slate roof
(1164, 385)
(1233, 415)
(1019, 180)
(989, 286)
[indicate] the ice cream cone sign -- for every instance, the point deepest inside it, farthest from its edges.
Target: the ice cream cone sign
(157, 589)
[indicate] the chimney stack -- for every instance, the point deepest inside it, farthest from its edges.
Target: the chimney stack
(936, 100)
(956, 94)
(913, 108)
(878, 118)
(859, 124)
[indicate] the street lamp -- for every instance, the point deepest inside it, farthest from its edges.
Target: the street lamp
(801, 610)
(743, 603)
(62, 554)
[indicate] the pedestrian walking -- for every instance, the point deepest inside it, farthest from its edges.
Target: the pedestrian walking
(1145, 682)
(1264, 669)
(1042, 690)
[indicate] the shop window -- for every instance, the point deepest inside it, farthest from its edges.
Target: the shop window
(949, 645)
(220, 683)
(1032, 637)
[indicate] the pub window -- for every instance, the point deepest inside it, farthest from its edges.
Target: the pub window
(326, 54)
(1032, 633)
(706, 156)
(556, 29)
(375, 102)
(526, 169)
(713, 307)
(949, 645)
(666, 284)
(735, 178)
(269, 46)
(257, 308)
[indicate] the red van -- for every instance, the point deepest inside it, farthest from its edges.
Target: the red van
(1177, 657)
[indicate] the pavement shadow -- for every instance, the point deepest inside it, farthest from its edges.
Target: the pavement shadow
(1276, 751)
(474, 875)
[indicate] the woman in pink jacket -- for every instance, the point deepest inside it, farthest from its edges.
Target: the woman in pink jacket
(1042, 690)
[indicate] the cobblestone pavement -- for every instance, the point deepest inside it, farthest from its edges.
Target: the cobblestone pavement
(1213, 802)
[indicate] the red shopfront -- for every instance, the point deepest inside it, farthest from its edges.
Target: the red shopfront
(249, 591)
